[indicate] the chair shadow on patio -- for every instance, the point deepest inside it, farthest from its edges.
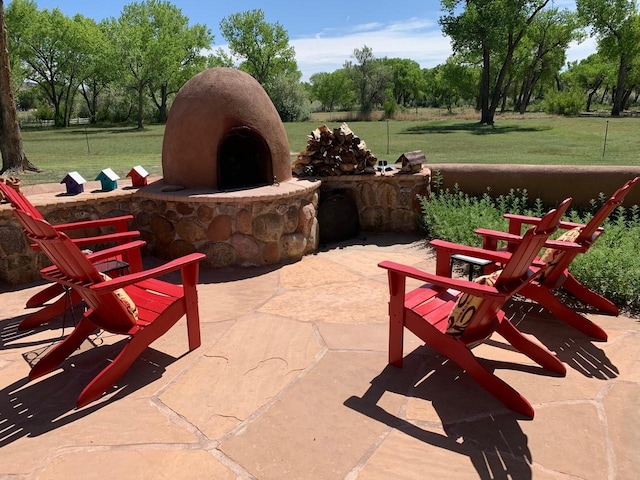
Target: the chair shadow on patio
(573, 348)
(33, 408)
(475, 424)
(11, 337)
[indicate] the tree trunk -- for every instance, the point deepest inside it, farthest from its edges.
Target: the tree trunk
(618, 98)
(485, 117)
(11, 148)
(140, 105)
(164, 93)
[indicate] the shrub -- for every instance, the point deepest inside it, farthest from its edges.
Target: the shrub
(610, 267)
(563, 103)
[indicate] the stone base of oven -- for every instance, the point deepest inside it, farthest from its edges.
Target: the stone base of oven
(258, 226)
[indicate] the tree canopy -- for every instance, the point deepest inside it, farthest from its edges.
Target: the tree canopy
(262, 48)
(158, 49)
(617, 25)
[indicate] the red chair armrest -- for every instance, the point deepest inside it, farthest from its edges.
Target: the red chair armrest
(466, 286)
(566, 246)
(124, 280)
(102, 222)
(445, 249)
(490, 238)
(109, 237)
(117, 250)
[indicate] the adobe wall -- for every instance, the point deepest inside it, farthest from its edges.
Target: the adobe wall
(553, 183)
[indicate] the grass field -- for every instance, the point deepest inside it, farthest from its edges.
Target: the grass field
(529, 139)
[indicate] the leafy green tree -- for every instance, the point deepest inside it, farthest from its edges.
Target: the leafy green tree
(332, 89)
(262, 48)
(542, 52)
(617, 25)
(54, 49)
(408, 81)
(490, 30)
(101, 69)
(290, 98)
(589, 75)
(451, 83)
(158, 50)
(370, 77)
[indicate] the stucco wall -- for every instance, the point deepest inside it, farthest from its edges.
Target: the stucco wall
(553, 183)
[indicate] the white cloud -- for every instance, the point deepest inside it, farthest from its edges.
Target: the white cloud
(578, 51)
(417, 39)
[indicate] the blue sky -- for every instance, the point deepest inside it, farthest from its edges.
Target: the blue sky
(325, 33)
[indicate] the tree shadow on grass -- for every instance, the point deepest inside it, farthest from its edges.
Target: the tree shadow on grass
(472, 128)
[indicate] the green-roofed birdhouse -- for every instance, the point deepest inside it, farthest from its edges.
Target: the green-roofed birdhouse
(109, 179)
(74, 183)
(138, 176)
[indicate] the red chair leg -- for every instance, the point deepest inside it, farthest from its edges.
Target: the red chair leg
(548, 300)
(535, 352)
(190, 280)
(49, 312)
(590, 297)
(62, 350)
(44, 295)
(129, 353)
(462, 356)
(502, 391)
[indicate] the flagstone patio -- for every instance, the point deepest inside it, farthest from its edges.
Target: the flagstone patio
(292, 382)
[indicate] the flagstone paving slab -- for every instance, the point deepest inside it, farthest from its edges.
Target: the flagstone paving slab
(164, 464)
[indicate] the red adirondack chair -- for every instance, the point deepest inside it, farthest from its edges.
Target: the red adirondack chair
(137, 304)
(428, 311)
(578, 239)
(120, 235)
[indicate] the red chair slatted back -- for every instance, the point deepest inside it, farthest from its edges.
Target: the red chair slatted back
(515, 275)
(78, 272)
(19, 201)
(588, 234)
(601, 215)
(533, 240)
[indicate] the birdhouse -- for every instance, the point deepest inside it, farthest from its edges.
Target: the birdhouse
(411, 161)
(138, 176)
(74, 183)
(109, 179)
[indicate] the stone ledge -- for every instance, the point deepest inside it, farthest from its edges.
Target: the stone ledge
(285, 189)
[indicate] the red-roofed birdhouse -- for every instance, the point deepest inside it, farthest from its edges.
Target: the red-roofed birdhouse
(138, 176)
(109, 179)
(74, 183)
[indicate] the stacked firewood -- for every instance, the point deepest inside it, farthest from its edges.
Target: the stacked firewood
(334, 152)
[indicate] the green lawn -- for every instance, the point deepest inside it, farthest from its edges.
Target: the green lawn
(445, 139)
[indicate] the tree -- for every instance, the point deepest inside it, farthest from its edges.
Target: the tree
(262, 48)
(408, 81)
(14, 158)
(158, 50)
(332, 89)
(54, 50)
(102, 69)
(179, 46)
(617, 25)
(370, 78)
(490, 30)
(290, 98)
(589, 75)
(542, 51)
